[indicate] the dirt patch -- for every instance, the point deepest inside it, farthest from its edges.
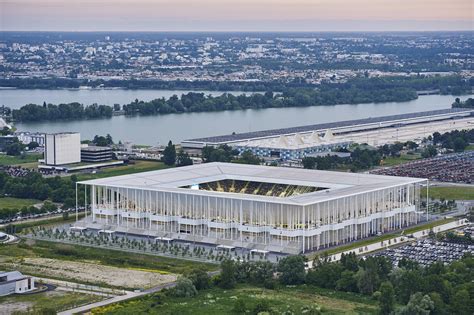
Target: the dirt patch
(94, 273)
(10, 307)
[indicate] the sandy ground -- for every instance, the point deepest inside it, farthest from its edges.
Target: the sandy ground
(10, 305)
(94, 273)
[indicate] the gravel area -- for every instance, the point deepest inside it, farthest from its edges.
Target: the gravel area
(94, 273)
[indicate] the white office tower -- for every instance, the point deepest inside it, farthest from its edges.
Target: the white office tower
(62, 148)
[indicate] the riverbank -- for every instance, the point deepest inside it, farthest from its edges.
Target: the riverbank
(159, 129)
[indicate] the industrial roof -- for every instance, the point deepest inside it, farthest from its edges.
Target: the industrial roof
(324, 126)
(339, 184)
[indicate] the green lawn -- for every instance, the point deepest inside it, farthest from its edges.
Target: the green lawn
(391, 161)
(294, 300)
(45, 302)
(103, 256)
(16, 203)
(137, 167)
(13, 160)
(450, 192)
(469, 148)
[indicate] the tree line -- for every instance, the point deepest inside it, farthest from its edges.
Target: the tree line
(456, 140)
(34, 186)
(469, 103)
(406, 289)
(360, 158)
(355, 91)
(46, 112)
(453, 84)
(55, 83)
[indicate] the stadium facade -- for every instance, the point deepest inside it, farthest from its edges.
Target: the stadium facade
(264, 208)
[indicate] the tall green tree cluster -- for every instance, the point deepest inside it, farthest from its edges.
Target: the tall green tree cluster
(456, 140)
(34, 186)
(437, 289)
(33, 112)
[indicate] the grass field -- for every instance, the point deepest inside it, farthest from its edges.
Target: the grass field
(391, 161)
(16, 203)
(13, 160)
(294, 300)
(45, 302)
(469, 148)
(106, 257)
(137, 167)
(450, 192)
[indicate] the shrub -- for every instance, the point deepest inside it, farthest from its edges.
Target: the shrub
(262, 305)
(184, 288)
(239, 307)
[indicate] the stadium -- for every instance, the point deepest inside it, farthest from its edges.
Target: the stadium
(262, 208)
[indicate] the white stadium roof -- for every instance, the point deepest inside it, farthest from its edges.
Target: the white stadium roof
(339, 184)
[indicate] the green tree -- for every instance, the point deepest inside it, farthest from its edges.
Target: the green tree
(367, 280)
(387, 298)
(461, 303)
(228, 274)
(418, 304)
(347, 282)
(183, 159)
(247, 157)
(33, 145)
(440, 307)
(261, 272)
(292, 269)
(184, 288)
(309, 162)
(169, 154)
(200, 278)
(327, 275)
(14, 148)
(429, 151)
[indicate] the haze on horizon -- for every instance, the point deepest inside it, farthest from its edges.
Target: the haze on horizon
(241, 15)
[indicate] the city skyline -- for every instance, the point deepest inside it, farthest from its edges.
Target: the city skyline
(212, 15)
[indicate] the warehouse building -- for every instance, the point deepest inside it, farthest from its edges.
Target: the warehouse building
(298, 142)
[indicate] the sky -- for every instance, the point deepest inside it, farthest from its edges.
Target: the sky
(236, 15)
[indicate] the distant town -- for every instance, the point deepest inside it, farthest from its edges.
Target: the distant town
(286, 58)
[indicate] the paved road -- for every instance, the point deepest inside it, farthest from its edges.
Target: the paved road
(127, 296)
(115, 299)
(72, 215)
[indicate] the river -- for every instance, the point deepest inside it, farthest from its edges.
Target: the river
(159, 129)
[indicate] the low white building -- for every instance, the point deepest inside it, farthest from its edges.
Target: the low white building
(26, 137)
(15, 282)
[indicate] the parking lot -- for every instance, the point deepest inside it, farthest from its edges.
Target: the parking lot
(429, 250)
